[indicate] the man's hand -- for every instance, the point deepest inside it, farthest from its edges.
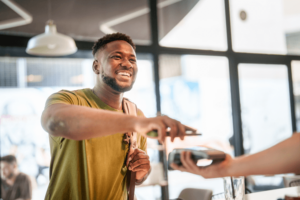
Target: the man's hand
(138, 161)
(217, 169)
(160, 124)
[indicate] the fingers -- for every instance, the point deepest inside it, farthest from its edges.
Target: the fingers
(217, 169)
(181, 131)
(176, 167)
(139, 156)
(133, 152)
(162, 131)
(188, 165)
(135, 155)
(187, 161)
(177, 129)
(129, 155)
(140, 165)
(173, 125)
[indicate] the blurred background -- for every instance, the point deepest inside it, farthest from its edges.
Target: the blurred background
(230, 68)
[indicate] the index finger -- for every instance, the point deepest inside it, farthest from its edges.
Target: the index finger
(181, 131)
(132, 155)
(174, 125)
(176, 167)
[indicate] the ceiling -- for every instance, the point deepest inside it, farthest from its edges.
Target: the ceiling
(81, 19)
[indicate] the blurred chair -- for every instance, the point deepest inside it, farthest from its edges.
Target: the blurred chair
(193, 193)
(291, 181)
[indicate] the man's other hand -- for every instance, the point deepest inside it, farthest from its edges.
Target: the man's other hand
(215, 170)
(138, 161)
(160, 124)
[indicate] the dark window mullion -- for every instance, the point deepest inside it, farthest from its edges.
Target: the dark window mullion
(236, 107)
(154, 48)
(234, 88)
(291, 92)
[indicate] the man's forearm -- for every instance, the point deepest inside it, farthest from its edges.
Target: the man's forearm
(281, 158)
(78, 122)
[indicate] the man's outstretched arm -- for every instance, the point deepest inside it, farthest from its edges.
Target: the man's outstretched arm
(281, 158)
(79, 123)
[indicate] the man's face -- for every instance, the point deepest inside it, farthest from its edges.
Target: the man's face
(117, 65)
(7, 170)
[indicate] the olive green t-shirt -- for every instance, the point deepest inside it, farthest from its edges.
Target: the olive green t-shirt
(88, 169)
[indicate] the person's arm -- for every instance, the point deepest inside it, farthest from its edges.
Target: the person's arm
(79, 123)
(281, 158)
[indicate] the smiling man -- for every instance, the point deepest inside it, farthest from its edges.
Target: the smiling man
(86, 129)
(15, 185)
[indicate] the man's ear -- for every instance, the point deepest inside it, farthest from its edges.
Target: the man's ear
(96, 67)
(15, 165)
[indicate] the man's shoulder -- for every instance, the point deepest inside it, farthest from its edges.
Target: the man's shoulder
(23, 178)
(71, 94)
(23, 175)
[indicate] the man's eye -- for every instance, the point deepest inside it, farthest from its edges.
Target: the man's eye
(132, 60)
(117, 57)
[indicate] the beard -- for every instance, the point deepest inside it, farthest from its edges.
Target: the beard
(112, 83)
(10, 176)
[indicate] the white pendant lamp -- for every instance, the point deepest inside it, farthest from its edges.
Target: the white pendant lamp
(51, 43)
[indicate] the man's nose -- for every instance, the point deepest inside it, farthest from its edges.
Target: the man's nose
(126, 63)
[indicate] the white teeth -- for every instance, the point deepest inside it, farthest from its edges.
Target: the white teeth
(124, 74)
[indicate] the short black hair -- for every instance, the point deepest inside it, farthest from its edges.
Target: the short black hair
(9, 159)
(110, 38)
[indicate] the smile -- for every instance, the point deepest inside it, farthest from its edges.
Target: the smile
(122, 73)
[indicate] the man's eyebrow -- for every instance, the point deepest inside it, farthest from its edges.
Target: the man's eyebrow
(119, 52)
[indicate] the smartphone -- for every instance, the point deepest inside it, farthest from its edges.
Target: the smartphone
(198, 153)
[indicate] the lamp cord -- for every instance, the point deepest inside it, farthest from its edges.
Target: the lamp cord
(49, 10)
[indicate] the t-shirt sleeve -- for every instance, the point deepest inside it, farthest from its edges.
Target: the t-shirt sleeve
(63, 96)
(26, 189)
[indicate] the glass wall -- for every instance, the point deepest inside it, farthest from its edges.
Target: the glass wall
(268, 26)
(195, 90)
(266, 116)
(265, 105)
(197, 24)
(296, 84)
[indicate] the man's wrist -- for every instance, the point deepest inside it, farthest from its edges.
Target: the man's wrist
(235, 167)
(131, 123)
(139, 182)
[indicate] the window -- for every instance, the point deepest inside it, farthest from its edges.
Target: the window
(196, 24)
(265, 105)
(195, 90)
(269, 26)
(8, 72)
(296, 84)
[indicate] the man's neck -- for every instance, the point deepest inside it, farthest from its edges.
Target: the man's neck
(109, 96)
